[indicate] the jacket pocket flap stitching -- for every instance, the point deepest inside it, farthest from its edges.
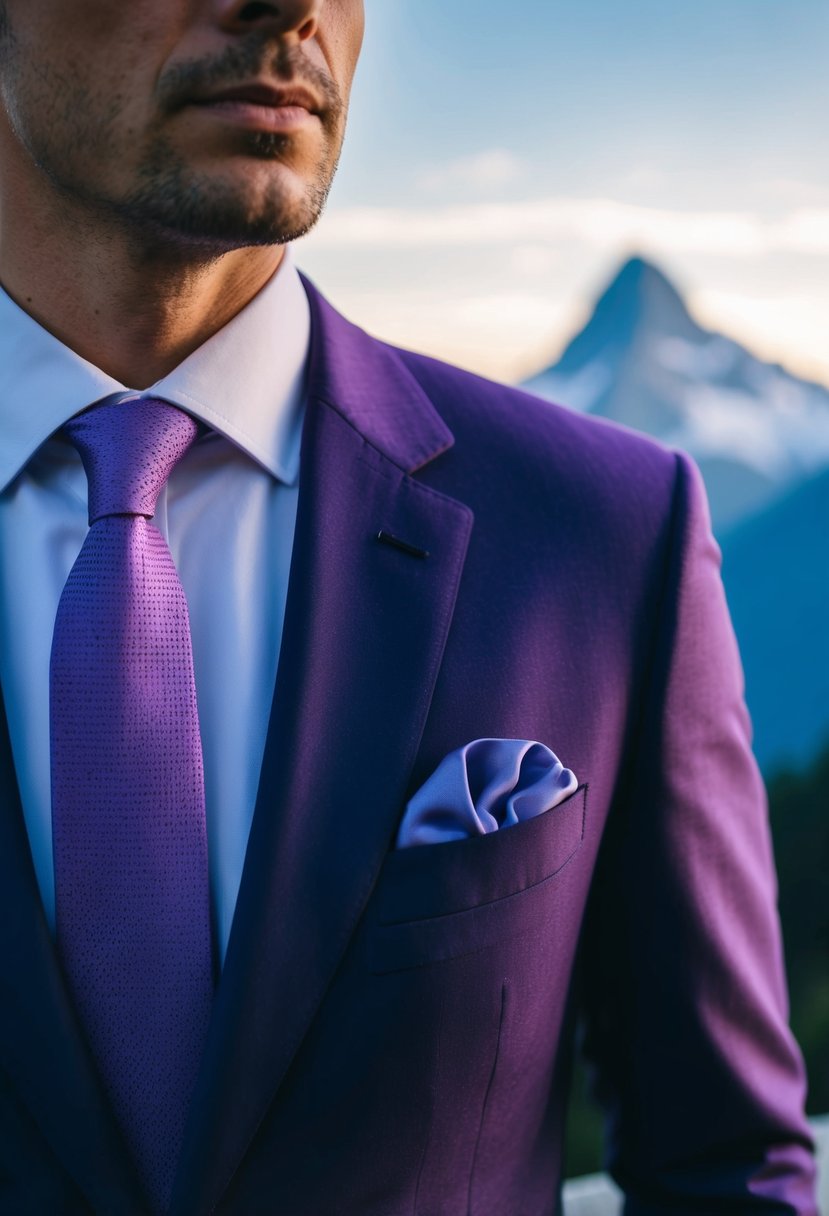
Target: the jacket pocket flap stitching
(434, 880)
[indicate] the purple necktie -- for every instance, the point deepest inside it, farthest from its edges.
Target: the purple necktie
(128, 821)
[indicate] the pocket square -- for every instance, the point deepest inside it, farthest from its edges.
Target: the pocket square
(484, 786)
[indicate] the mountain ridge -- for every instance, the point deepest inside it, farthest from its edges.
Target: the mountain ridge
(754, 428)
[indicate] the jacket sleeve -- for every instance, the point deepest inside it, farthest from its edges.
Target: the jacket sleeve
(686, 1010)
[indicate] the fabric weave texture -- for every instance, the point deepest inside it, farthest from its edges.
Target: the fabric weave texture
(128, 815)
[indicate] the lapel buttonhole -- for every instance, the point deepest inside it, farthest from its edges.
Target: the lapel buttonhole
(388, 539)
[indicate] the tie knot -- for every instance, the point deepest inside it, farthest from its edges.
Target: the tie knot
(129, 447)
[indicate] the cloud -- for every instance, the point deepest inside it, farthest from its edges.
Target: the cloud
(789, 327)
(504, 333)
(493, 286)
(533, 261)
(491, 168)
(806, 230)
(603, 224)
(796, 191)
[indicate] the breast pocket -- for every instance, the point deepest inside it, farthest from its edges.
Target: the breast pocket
(435, 902)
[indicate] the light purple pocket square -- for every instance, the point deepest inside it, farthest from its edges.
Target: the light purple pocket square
(482, 787)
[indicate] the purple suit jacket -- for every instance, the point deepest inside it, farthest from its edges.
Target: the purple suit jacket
(393, 1034)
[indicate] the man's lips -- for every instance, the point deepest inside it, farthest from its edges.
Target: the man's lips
(260, 106)
(264, 94)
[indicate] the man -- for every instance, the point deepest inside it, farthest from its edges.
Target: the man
(389, 1025)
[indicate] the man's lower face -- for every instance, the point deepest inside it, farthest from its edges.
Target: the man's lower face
(184, 153)
(262, 188)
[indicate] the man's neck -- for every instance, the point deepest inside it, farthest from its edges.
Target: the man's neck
(134, 310)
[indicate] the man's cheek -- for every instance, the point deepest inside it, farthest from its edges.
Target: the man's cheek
(341, 39)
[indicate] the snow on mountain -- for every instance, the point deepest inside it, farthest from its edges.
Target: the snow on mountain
(755, 429)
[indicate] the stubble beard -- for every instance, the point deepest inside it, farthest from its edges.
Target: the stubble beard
(178, 203)
(174, 204)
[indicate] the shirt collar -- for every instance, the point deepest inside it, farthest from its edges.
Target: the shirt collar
(246, 381)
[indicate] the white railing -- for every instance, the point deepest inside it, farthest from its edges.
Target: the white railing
(597, 1196)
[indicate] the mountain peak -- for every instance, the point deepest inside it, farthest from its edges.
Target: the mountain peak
(639, 297)
(637, 275)
(643, 361)
(640, 286)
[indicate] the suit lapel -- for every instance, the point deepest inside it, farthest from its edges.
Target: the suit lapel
(365, 627)
(42, 1047)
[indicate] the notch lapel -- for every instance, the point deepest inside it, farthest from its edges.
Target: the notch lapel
(365, 628)
(42, 1046)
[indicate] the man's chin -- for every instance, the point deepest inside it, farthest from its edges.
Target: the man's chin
(221, 214)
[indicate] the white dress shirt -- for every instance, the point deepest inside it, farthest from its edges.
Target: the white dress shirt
(227, 512)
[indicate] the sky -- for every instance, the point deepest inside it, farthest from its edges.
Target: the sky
(501, 161)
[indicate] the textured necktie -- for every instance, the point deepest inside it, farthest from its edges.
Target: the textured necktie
(128, 820)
